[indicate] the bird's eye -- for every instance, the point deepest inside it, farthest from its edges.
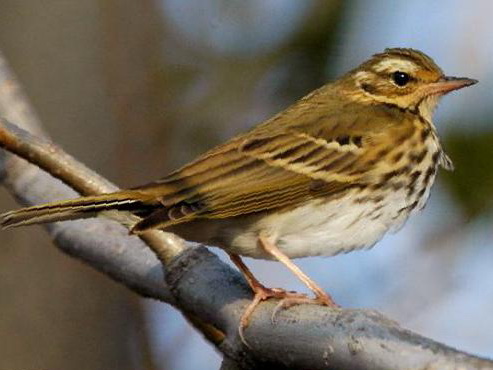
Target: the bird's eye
(400, 78)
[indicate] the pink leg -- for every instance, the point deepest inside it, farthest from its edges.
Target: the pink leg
(320, 296)
(261, 293)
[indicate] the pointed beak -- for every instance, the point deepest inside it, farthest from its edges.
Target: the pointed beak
(447, 84)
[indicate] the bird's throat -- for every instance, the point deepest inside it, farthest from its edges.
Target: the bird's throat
(428, 106)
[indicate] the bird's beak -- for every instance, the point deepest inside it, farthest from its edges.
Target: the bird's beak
(447, 84)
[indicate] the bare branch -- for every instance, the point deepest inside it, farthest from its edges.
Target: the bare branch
(303, 337)
(209, 291)
(58, 163)
(112, 254)
(123, 258)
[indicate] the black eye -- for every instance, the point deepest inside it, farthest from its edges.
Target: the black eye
(400, 78)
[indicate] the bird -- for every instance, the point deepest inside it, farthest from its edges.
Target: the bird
(332, 173)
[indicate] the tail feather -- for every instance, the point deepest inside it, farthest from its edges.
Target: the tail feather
(84, 207)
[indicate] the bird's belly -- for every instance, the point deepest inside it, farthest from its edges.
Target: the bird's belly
(336, 227)
(326, 228)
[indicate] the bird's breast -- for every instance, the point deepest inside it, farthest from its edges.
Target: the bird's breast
(356, 219)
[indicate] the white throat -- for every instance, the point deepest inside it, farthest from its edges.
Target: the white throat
(428, 106)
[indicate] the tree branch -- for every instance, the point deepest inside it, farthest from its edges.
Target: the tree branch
(112, 254)
(303, 337)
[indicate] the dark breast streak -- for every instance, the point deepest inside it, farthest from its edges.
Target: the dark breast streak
(414, 159)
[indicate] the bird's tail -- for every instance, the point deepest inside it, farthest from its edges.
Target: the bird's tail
(85, 207)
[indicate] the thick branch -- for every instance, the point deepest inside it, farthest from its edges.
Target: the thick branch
(304, 337)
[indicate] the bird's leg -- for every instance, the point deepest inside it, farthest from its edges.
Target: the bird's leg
(321, 297)
(250, 278)
(261, 293)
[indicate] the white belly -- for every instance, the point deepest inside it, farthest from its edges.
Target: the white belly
(328, 228)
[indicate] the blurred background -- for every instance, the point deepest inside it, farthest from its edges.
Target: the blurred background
(136, 88)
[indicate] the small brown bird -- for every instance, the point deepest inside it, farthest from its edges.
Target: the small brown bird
(332, 173)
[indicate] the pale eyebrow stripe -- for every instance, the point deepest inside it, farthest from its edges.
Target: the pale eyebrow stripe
(395, 64)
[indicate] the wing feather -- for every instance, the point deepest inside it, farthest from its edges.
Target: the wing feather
(278, 168)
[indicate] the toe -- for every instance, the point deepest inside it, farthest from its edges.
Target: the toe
(326, 300)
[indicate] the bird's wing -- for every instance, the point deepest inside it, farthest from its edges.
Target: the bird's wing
(273, 169)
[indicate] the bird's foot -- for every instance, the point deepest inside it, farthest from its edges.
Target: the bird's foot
(263, 293)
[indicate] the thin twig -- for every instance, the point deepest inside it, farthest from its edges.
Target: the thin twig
(116, 252)
(49, 157)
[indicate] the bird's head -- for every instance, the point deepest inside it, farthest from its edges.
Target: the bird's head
(406, 78)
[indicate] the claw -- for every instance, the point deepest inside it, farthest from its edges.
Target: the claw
(297, 299)
(292, 300)
(261, 294)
